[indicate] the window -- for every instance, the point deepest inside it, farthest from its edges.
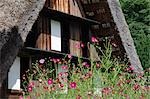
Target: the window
(55, 35)
(62, 36)
(45, 35)
(14, 75)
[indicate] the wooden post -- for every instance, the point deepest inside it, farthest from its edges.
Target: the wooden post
(1, 89)
(48, 34)
(44, 33)
(62, 79)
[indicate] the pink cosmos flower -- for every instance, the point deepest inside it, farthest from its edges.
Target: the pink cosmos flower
(73, 85)
(20, 97)
(87, 65)
(106, 90)
(130, 68)
(61, 85)
(65, 80)
(31, 84)
(42, 61)
(84, 63)
(136, 87)
(94, 40)
(82, 45)
(65, 67)
(30, 89)
(69, 56)
(78, 97)
(54, 60)
(98, 65)
(128, 81)
(60, 74)
(50, 81)
(88, 75)
(77, 45)
(65, 73)
(58, 60)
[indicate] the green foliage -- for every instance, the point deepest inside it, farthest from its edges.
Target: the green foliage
(137, 14)
(105, 79)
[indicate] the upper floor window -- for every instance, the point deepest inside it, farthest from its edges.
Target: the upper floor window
(55, 35)
(59, 35)
(45, 35)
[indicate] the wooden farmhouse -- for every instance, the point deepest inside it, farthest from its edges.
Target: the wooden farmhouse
(62, 24)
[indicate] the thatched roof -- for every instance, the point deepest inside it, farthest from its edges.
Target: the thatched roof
(16, 20)
(124, 34)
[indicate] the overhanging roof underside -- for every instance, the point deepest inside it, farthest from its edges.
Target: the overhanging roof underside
(99, 10)
(109, 13)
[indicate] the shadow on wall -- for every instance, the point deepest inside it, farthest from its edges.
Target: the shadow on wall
(10, 43)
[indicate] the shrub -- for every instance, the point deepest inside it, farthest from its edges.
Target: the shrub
(104, 79)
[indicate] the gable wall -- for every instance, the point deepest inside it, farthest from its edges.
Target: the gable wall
(66, 6)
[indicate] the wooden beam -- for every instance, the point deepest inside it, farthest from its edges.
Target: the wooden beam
(81, 8)
(60, 15)
(35, 52)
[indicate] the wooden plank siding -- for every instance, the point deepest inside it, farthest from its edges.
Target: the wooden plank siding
(43, 41)
(74, 8)
(99, 10)
(66, 6)
(75, 39)
(71, 33)
(60, 5)
(74, 30)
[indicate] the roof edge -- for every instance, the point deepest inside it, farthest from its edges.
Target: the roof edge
(125, 35)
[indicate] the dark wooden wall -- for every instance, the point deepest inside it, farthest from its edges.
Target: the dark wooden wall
(44, 40)
(75, 39)
(73, 34)
(99, 10)
(66, 6)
